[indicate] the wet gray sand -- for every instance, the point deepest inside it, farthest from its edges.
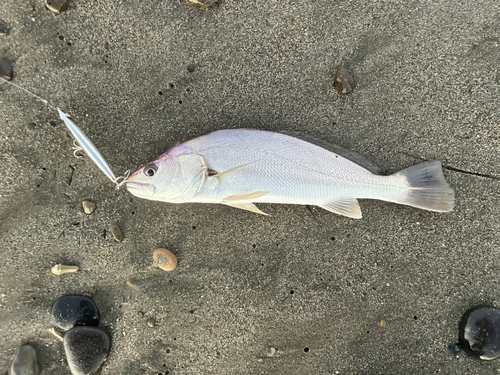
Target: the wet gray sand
(302, 291)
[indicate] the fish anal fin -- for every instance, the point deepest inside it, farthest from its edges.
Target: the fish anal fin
(246, 206)
(346, 206)
(245, 197)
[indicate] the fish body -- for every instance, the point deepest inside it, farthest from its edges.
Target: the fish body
(240, 167)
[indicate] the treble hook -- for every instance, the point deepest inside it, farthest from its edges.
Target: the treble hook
(76, 147)
(119, 181)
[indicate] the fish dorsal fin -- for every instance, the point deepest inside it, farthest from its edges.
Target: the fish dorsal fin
(245, 197)
(348, 154)
(346, 206)
(246, 206)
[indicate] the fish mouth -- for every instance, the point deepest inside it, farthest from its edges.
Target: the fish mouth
(140, 189)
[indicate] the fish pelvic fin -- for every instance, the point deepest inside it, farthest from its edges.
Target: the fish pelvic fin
(246, 206)
(346, 206)
(427, 187)
(244, 201)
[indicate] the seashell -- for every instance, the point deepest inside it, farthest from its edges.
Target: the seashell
(61, 269)
(165, 259)
(116, 232)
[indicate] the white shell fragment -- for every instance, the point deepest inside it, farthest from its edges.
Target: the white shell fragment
(202, 3)
(61, 269)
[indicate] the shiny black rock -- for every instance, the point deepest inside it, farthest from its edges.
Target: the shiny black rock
(86, 349)
(70, 311)
(480, 332)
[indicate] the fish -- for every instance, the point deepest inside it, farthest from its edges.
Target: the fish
(242, 167)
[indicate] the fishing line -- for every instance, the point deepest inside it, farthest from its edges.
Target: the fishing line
(77, 146)
(3, 80)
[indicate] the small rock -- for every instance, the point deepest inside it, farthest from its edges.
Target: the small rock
(6, 69)
(454, 349)
(343, 81)
(190, 68)
(25, 362)
(57, 6)
(70, 311)
(151, 323)
(4, 30)
(272, 351)
(202, 3)
(116, 232)
(86, 349)
(383, 323)
(61, 269)
(480, 332)
(165, 259)
(88, 207)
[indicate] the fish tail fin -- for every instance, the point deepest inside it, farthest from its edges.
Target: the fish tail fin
(427, 187)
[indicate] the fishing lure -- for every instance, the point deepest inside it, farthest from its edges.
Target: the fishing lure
(83, 143)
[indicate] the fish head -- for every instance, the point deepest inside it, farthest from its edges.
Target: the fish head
(173, 177)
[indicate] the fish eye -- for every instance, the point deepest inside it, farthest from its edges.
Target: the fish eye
(150, 169)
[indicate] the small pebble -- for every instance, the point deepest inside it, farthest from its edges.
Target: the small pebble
(4, 30)
(202, 3)
(61, 269)
(86, 349)
(165, 259)
(383, 323)
(480, 332)
(272, 351)
(88, 207)
(25, 362)
(6, 69)
(57, 6)
(151, 323)
(190, 68)
(116, 232)
(343, 81)
(454, 349)
(73, 310)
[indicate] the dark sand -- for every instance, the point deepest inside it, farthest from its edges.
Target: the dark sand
(313, 285)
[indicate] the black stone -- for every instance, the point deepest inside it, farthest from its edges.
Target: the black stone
(4, 30)
(480, 332)
(190, 68)
(70, 311)
(86, 349)
(5, 69)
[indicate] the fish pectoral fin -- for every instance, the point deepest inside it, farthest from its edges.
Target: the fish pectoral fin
(246, 206)
(245, 197)
(346, 206)
(222, 175)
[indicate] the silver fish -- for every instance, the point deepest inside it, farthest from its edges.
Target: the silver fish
(244, 166)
